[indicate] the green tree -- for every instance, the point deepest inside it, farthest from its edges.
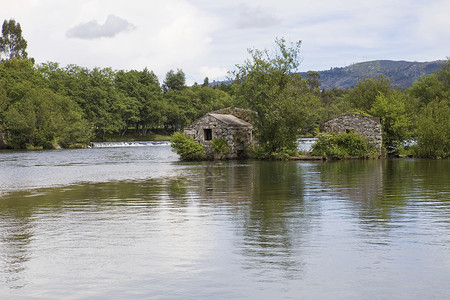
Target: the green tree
(313, 80)
(4, 101)
(444, 76)
(268, 85)
(57, 79)
(152, 107)
(174, 81)
(142, 103)
(364, 95)
(396, 122)
(335, 103)
(45, 119)
(95, 93)
(425, 90)
(129, 112)
(175, 117)
(432, 87)
(205, 82)
(12, 43)
(433, 130)
(209, 99)
(19, 76)
(432, 122)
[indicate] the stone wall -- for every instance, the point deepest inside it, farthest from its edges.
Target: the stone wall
(369, 127)
(238, 138)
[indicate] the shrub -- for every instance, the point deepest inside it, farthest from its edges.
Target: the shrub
(283, 154)
(220, 147)
(187, 148)
(338, 146)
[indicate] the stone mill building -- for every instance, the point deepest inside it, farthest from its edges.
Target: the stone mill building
(366, 126)
(238, 133)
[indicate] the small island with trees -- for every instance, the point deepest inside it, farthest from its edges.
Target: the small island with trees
(48, 106)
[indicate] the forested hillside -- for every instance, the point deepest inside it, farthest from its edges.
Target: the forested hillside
(402, 73)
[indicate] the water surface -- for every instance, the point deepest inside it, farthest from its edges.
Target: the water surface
(135, 223)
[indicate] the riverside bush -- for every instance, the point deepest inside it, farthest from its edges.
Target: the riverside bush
(339, 146)
(187, 148)
(220, 147)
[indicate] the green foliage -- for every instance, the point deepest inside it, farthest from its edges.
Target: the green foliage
(220, 147)
(433, 130)
(312, 78)
(426, 89)
(45, 119)
(432, 122)
(283, 154)
(364, 95)
(205, 82)
(174, 81)
(12, 43)
(268, 85)
(396, 122)
(334, 103)
(432, 87)
(4, 100)
(338, 146)
(187, 148)
(140, 100)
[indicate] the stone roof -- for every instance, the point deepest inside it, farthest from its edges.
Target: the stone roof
(231, 120)
(243, 114)
(353, 115)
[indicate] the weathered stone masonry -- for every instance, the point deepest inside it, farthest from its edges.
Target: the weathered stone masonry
(237, 132)
(368, 127)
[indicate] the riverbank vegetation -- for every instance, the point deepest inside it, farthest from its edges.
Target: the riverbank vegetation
(343, 145)
(49, 106)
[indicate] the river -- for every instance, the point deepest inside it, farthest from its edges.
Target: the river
(136, 223)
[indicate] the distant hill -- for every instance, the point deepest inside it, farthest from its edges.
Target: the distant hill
(402, 73)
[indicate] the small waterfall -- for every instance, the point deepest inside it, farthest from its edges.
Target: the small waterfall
(128, 144)
(305, 144)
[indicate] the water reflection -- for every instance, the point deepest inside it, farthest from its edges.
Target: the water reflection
(238, 229)
(385, 195)
(265, 202)
(16, 235)
(275, 220)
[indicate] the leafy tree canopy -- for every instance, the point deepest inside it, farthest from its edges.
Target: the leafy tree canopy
(174, 81)
(364, 95)
(268, 84)
(396, 122)
(12, 44)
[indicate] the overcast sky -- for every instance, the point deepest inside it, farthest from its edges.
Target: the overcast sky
(208, 38)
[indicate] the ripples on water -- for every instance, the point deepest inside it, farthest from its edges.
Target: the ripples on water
(133, 223)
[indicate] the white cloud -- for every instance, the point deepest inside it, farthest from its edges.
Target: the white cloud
(93, 30)
(255, 17)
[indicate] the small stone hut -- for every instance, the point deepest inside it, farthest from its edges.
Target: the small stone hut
(237, 132)
(368, 127)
